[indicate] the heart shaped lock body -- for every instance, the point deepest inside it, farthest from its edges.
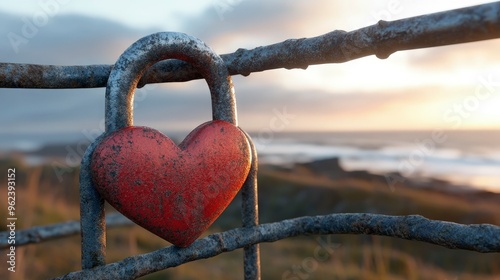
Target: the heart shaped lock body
(176, 192)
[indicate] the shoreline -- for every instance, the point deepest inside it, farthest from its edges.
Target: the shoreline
(331, 169)
(69, 156)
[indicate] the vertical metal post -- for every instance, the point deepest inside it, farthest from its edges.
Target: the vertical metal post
(92, 217)
(250, 217)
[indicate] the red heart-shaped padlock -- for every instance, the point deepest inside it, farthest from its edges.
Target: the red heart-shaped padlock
(176, 192)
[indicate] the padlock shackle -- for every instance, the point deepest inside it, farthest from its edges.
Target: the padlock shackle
(141, 55)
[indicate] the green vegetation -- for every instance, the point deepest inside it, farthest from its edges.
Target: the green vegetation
(44, 197)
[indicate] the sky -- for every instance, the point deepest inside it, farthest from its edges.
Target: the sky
(451, 87)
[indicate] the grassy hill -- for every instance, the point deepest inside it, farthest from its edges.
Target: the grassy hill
(47, 196)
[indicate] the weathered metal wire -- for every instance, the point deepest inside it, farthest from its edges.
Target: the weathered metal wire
(481, 238)
(464, 25)
(40, 234)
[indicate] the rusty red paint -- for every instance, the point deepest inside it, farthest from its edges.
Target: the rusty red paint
(176, 192)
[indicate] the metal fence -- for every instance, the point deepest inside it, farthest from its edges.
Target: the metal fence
(382, 39)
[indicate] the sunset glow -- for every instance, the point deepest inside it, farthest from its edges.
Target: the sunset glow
(410, 90)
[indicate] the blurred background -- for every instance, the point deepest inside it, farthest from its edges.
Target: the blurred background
(416, 133)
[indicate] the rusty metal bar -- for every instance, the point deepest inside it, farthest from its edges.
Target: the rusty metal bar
(92, 216)
(464, 25)
(481, 238)
(250, 218)
(40, 234)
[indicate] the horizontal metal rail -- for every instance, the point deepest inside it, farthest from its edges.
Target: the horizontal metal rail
(481, 238)
(39, 234)
(382, 39)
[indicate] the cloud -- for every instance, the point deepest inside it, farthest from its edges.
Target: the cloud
(64, 39)
(336, 99)
(229, 25)
(468, 55)
(347, 110)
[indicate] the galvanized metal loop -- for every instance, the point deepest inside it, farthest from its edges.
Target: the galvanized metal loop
(141, 55)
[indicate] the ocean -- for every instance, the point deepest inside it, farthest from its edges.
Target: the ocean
(465, 158)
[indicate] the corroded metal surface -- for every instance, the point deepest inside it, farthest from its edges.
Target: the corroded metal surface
(464, 25)
(44, 233)
(176, 192)
(15, 75)
(481, 238)
(250, 217)
(92, 217)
